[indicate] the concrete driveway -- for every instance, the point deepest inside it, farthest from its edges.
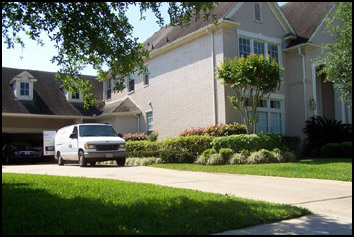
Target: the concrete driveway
(331, 201)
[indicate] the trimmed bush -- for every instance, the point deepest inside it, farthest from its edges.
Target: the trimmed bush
(346, 149)
(291, 142)
(251, 142)
(193, 144)
(225, 155)
(135, 137)
(330, 150)
(215, 159)
(216, 130)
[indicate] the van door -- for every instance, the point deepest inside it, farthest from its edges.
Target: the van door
(72, 144)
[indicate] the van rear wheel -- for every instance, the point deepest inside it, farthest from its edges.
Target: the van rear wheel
(82, 160)
(121, 162)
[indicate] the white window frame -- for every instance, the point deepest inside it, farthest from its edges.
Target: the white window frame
(25, 90)
(269, 110)
(260, 12)
(109, 87)
(149, 130)
(15, 83)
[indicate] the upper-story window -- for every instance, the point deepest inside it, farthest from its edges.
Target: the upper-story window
(244, 47)
(248, 46)
(22, 86)
(109, 89)
(258, 11)
(149, 122)
(24, 90)
(146, 77)
(131, 83)
(75, 96)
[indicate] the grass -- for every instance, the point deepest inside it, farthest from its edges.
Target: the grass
(332, 169)
(53, 205)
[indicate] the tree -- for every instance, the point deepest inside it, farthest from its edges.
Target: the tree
(251, 79)
(91, 33)
(337, 57)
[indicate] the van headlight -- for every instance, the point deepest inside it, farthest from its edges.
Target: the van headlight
(90, 146)
(122, 146)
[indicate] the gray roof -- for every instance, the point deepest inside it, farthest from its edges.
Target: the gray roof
(125, 105)
(305, 17)
(48, 99)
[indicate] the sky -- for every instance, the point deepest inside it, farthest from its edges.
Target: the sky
(35, 57)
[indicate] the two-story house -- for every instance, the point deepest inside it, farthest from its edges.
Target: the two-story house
(181, 90)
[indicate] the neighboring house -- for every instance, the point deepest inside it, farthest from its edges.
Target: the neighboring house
(180, 89)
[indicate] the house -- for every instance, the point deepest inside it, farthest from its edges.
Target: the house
(180, 89)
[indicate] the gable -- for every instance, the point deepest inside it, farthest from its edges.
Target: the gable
(270, 24)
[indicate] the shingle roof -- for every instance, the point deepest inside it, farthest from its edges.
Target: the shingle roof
(47, 97)
(159, 39)
(305, 17)
(125, 105)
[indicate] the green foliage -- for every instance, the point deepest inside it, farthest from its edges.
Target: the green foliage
(216, 130)
(346, 149)
(225, 155)
(320, 131)
(251, 142)
(337, 57)
(251, 79)
(330, 150)
(91, 33)
(153, 136)
(291, 142)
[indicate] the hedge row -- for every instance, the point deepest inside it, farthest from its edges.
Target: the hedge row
(335, 150)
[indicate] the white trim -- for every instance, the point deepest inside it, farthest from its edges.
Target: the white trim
(300, 45)
(234, 10)
(258, 36)
(281, 18)
(304, 82)
(322, 22)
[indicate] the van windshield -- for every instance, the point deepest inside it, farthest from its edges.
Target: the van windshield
(96, 131)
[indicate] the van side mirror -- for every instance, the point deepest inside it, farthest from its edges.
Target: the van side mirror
(73, 136)
(120, 135)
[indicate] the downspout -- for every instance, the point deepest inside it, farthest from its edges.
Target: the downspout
(303, 80)
(138, 117)
(213, 73)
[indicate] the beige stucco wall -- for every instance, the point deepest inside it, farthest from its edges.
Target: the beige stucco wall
(121, 124)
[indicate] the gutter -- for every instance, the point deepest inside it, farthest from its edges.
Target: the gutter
(303, 80)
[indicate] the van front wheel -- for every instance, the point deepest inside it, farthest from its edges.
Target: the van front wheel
(60, 159)
(82, 160)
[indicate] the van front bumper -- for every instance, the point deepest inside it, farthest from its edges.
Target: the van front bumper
(104, 155)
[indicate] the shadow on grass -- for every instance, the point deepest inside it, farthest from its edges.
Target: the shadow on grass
(30, 210)
(320, 161)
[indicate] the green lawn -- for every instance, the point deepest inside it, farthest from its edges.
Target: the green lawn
(52, 205)
(333, 169)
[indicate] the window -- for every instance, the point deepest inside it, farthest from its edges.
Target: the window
(273, 52)
(257, 11)
(149, 122)
(131, 84)
(75, 96)
(258, 47)
(248, 46)
(269, 116)
(146, 77)
(109, 89)
(24, 89)
(244, 47)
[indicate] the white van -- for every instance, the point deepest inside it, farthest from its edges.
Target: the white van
(89, 143)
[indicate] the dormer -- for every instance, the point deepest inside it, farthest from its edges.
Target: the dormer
(22, 86)
(71, 97)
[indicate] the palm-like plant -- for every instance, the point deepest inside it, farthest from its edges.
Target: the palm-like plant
(321, 130)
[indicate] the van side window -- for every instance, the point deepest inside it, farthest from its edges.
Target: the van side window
(75, 131)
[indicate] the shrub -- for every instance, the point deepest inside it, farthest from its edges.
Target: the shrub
(168, 156)
(135, 137)
(193, 144)
(346, 149)
(215, 159)
(153, 136)
(291, 142)
(321, 131)
(225, 155)
(216, 130)
(330, 150)
(208, 152)
(262, 156)
(251, 142)
(238, 158)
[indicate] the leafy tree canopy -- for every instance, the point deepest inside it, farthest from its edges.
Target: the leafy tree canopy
(251, 79)
(91, 33)
(337, 57)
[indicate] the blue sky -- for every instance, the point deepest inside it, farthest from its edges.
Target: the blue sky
(36, 57)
